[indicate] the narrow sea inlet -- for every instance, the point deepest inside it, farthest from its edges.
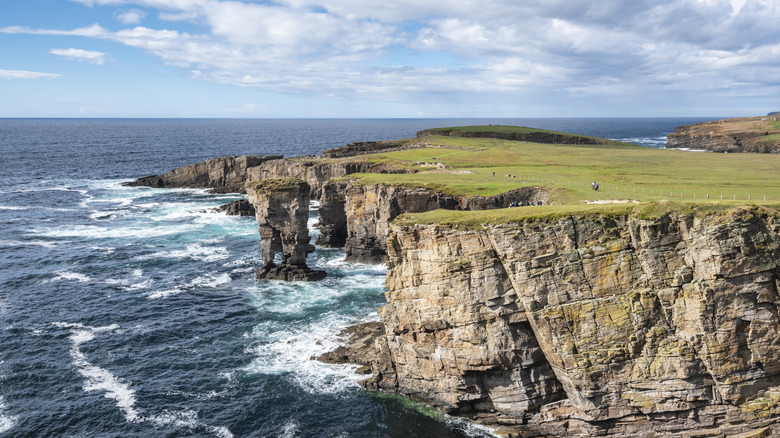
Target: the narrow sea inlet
(135, 311)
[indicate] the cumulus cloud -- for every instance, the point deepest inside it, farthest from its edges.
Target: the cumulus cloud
(348, 48)
(19, 74)
(91, 57)
(132, 16)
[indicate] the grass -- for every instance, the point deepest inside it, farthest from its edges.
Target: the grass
(771, 139)
(477, 219)
(623, 172)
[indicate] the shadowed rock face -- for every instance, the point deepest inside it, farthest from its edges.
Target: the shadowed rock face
(282, 212)
(221, 175)
(589, 326)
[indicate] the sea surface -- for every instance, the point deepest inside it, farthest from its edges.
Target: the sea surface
(134, 312)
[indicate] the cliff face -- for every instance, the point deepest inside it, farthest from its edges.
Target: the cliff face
(369, 209)
(589, 326)
(317, 172)
(749, 134)
(221, 175)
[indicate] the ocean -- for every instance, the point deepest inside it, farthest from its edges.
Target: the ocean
(134, 312)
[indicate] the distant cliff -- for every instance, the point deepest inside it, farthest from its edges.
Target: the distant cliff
(748, 134)
(589, 326)
(220, 175)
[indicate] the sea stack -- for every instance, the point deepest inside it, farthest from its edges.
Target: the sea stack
(282, 212)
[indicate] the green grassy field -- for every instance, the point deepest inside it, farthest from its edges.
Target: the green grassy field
(623, 171)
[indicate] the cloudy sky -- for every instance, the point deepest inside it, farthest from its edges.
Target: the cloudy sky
(391, 58)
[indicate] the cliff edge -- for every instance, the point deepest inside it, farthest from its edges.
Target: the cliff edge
(746, 134)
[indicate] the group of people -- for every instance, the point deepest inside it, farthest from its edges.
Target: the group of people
(594, 186)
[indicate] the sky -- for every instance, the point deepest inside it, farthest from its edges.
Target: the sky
(390, 58)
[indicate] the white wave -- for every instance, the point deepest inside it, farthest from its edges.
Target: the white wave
(194, 251)
(141, 285)
(289, 429)
(212, 281)
(116, 389)
(98, 232)
(64, 275)
(7, 421)
(338, 263)
(289, 350)
(42, 243)
(164, 293)
(96, 378)
(106, 249)
(11, 207)
(470, 428)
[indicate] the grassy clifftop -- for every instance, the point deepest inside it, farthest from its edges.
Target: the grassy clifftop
(519, 133)
(487, 165)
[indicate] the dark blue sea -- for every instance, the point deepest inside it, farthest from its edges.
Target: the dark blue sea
(134, 312)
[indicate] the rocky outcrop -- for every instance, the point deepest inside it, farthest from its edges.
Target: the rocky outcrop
(590, 326)
(747, 134)
(317, 172)
(282, 207)
(220, 175)
(369, 147)
(237, 208)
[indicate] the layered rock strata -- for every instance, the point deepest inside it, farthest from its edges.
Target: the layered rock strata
(318, 172)
(747, 134)
(590, 326)
(220, 175)
(369, 209)
(282, 212)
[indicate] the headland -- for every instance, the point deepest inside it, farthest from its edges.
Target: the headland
(550, 284)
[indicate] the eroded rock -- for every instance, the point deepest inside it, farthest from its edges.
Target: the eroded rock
(220, 175)
(282, 212)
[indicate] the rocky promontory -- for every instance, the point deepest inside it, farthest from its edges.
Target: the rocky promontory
(603, 313)
(746, 134)
(589, 326)
(219, 175)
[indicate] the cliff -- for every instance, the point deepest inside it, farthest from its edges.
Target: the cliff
(358, 216)
(221, 175)
(589, 326)
(748, 134)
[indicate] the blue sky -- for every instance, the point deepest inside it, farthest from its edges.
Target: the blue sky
(402, 58)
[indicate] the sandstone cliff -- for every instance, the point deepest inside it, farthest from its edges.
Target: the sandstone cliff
(748, 134)
(282, 211)
(358, 216)
(589, 326)
(221, 175)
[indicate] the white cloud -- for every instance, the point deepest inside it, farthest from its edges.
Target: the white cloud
(18, 74)
(91, 57)
(132, 16)
(371, 49)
